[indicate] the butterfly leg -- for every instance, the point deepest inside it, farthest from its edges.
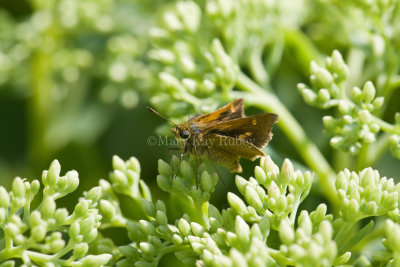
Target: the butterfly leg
(179, 165)
(171, 161)
(196, 165)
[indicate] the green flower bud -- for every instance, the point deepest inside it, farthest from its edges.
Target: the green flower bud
(61, 216)
(260, 175)
(87, 224)
(80, 250)
(176, 239)
(161, 206)
(12, 229)
(297, 252)
(147, 248)
(197, 229)
(73, 181)
(206, 182)
(38, 232)
(94, 194)
(35, 218)
(378, 102)
(35, 185)
(147, 227)
(319, 214)
(18, 187)
(169, 80)
(368, 92)
(286, 232)
(364, 116)
(4, 197)
(118, 163)
(187, 170)
(81, 208)
(161, 218)
(281, 204)
(163, 183)
(357, 94)
(172, 22)
(55, 242)
(371, 208)
(324, 95)
(344, 107)
(237, 257)
(74, 230)
(242, 230)
(341, 181)
(48, 208)
(133, 164)
(287, 172)
(367, 177)
(164, 168)
(148, 208)
(237, 204)
(163, 55)
(61, 183)
(52, 174)
(305, 222)
(179, 186)
(321, 78)
(95, 260)
(338, 65)
(197, 247)
(119, 178)
(130, 252)
(270, 168)
(184, 227)
(389, 201)
(309, 96)
(273, 190)
(354, 207)
(329, 122)
(336, 141)
(90, 236)
(107, 209)
(253, 199)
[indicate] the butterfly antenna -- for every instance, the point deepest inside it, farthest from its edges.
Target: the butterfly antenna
(155, 112)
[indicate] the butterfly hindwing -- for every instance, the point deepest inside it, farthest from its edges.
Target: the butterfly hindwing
(226, 151)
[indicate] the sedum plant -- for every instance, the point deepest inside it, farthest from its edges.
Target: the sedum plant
(328, 205)
(263, 226)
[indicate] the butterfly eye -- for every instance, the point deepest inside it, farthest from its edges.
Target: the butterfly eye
(185, 134)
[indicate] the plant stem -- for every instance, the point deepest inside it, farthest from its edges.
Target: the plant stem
(342, 233)
(295, 133)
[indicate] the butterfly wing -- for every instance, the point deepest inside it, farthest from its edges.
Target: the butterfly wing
(255, 130)
(231, 111)
(226, 150)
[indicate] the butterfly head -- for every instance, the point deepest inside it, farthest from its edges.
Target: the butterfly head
(181, 135)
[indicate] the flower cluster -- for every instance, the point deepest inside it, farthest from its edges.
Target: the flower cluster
(47, 233)
(261, 230)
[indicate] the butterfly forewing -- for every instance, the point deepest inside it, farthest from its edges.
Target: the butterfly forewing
(254, 129)
(229, 112)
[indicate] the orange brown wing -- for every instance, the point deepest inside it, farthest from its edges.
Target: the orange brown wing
(231, 111)
(254, 129)
(226, 151)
